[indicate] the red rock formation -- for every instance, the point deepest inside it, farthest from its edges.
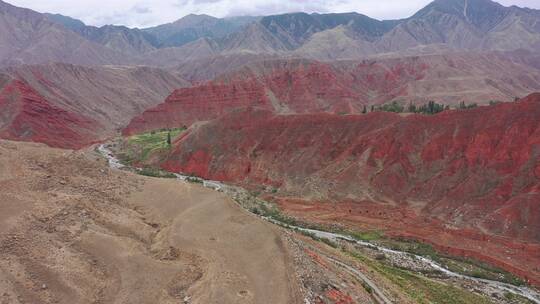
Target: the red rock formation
(470, 160)
(206, 102)
(300, 86)
(443, 178)
(27, 116)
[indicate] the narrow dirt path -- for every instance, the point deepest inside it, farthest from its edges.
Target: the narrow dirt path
(377, 293)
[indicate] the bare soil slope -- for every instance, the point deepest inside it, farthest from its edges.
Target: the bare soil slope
(72, 231)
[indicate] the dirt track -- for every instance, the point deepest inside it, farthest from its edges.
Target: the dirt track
(74, 231)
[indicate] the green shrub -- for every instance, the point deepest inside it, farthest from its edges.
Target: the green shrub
(367, 287)
(394, 107)
(153, 172)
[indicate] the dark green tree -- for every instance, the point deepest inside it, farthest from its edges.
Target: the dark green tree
(412, 107)
(169, 138)
(394, 106)
(431, 107)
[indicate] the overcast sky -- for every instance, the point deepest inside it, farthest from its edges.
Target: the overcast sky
(144, 13)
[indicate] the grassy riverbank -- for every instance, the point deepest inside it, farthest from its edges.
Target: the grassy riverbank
(139, 148)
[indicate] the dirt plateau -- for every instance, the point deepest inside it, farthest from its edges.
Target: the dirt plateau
(466, 181)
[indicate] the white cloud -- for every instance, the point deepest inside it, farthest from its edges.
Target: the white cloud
(143, 13)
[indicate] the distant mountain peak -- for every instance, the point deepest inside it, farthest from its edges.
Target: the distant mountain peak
(193, 19)
(484, 14)
(66, 21)
(461, 7)
(4, 4)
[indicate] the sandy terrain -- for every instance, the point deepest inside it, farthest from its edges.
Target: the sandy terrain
(240, 258)
(74, 231)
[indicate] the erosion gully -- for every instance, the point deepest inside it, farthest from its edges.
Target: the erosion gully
(523, 291)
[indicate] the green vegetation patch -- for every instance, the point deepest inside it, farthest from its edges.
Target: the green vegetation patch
(420, 289)
(366, 236)
(151, 142)
(516, 299)
(274, 213)
(429, 108)
(154, 172)
(465, 266)
(138, 148)
(479, 269)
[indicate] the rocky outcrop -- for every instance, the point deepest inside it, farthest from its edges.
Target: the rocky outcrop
(458, 163)
(294, 87)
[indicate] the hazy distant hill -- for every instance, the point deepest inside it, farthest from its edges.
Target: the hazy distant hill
(29, 37)
(442, 26)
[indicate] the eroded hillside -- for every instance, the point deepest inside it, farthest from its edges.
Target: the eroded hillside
(455, 179)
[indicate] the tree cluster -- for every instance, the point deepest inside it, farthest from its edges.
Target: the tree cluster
(429, 108)
(396, 107)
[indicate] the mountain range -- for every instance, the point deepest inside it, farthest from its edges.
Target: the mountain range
(479, 25)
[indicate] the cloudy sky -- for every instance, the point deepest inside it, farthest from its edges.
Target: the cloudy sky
(144, 13)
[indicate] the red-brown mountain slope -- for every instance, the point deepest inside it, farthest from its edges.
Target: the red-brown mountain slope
(109, 95)
(301, 86)
(457, 179)
(25, 115)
